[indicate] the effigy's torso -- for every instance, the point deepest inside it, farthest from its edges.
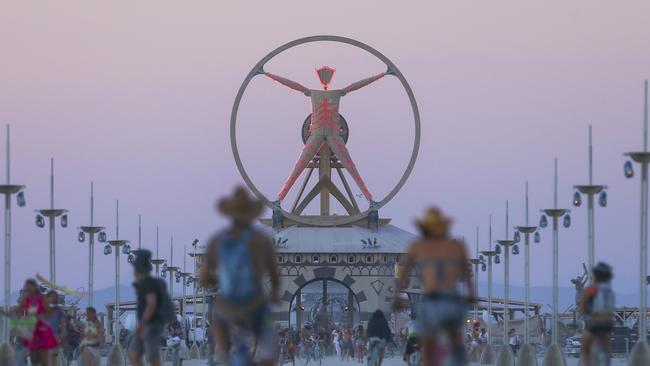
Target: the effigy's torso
(325, 112)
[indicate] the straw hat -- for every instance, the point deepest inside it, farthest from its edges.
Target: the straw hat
(434, 222)
(240, 206)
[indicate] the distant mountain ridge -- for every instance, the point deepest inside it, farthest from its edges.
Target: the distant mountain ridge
(538, 294)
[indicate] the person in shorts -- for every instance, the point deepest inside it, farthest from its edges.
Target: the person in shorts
(57, 320)
(598, 305)
(151, 319)
(237, 260)
(443, 264)
(91, 339)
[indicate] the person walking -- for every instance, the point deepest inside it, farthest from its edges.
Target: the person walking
(513, 341)
(379, 334)
(176, 341)
(359, 343)
(336, 341)
(91, 339)
(57, 321)
(34, 304)
(443, 264)
(154, 310)
(598, 305)
(238, 258)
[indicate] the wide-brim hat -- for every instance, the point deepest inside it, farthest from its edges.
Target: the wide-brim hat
(434, 221)
(240, 205)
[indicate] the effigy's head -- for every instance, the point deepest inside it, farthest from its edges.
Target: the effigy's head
(325, 74)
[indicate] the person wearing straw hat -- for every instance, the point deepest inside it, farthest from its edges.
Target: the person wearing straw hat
(237, 260)
(443, 264)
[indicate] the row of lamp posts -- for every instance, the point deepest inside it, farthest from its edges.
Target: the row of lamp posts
(88, 233)
(640, 354)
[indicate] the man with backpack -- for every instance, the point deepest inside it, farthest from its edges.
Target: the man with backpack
(597, 306)
(237, 260)
(155, 310)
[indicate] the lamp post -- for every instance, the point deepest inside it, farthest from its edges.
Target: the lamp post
(554, 354)
(590, 190)
(117, 354)
(488, 356)
(505, 356)
(194, 281)
(9, 189)
(640, 353)
(476, 261)
(52, 213)
(157, 262)
(91, 230)
(187, 280)
(527, 353)
(171, 269)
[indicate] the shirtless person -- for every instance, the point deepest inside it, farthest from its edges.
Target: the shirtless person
(443, 266)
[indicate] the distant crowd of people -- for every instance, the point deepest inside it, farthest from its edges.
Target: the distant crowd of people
(240, 258)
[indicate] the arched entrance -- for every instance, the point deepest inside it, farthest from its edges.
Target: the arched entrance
(324, 303)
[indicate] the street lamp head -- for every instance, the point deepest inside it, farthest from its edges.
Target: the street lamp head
(497, 249)
(126, 249)
(537, 237)
(81, 237)
(602, 199)
(628, 169)
(497, 259)
(107, 249)
(577, 199)
(515, 249)
(20, 198)
(517, 237)
(483, 267)
(40, 221)
(102, 237)
(178, 277)
(130, 258)
(566, 222)
(64, 221)
(543, 221)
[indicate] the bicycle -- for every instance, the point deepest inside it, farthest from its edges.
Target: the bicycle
(373, 351)
(175, 344)
(414, 359)
(314, 352)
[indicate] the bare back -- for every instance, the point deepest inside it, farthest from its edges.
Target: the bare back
(442, 263)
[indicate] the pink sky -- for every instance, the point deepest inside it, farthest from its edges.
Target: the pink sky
(137, 96)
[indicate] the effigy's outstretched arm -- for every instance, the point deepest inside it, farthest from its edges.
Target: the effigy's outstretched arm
(289, 83)
(361, 83)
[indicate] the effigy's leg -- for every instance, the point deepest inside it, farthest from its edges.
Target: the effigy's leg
(310, 149)
(337, 145)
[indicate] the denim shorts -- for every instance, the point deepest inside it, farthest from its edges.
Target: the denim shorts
(149, 342)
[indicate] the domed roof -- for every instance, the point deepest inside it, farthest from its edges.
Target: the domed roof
(299, 239)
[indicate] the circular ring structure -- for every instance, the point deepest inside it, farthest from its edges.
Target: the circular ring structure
(392, 70)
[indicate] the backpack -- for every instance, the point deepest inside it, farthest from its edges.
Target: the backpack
(604, 301)
(601, 308)
(237, 282)
(166, 311)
